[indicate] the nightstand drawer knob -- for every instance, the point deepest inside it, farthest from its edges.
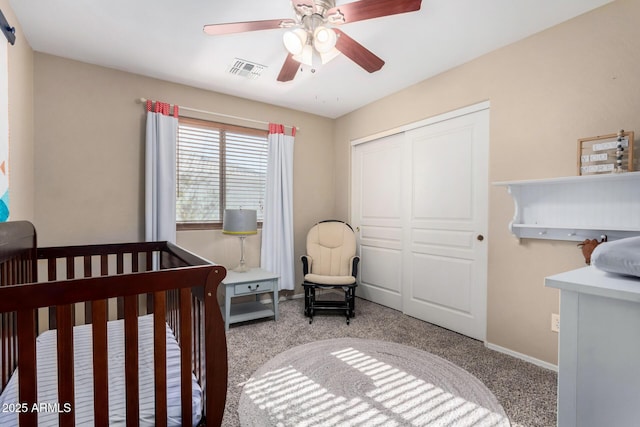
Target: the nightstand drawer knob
(249, 288)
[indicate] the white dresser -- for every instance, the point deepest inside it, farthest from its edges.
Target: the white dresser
(599, 348)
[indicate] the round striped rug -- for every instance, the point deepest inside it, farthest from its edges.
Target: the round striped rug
(356, 382)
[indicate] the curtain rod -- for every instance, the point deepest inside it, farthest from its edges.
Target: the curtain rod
(8, 31)
(213, 113)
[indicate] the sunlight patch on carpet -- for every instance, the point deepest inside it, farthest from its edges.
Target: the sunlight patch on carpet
(417, 401)
(368, 383)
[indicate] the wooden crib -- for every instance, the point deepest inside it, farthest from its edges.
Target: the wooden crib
(99, 283)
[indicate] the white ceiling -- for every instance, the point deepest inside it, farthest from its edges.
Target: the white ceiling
(164, 39)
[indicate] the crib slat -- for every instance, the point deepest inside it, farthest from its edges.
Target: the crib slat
(185, 351)
(100, 369)
(13, 330)
(119, 263)
(160, 358)
(200, 339)
(10, 279)
(28, 392)
(150, 304)
(131, 360)
(71, 268)
(196, 322)
(148, 262)
(135, 261)
(7, 353)
(65, 364)
(71, 274)
(6, 349)
(120, 270)
(52, 274)
(104, 265)
(87, 273)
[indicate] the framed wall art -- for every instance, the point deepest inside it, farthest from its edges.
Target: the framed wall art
(606, 154)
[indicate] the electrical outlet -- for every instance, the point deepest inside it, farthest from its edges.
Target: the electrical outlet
(555, 322)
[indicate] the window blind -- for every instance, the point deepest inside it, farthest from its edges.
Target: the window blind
(219, 167)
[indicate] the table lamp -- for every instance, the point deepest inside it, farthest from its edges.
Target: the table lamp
(241, 223)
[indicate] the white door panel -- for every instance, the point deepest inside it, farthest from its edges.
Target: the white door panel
(381, 179)
(456, 273)
(419, 203)
(377, 173)
(444, 238)
(381, 276)
(446, 281)
(384, 235)
(441, 168)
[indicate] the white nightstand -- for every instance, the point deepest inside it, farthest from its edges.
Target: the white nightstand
(253, 282)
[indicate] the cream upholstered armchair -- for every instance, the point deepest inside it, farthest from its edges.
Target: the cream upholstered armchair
(330, 263)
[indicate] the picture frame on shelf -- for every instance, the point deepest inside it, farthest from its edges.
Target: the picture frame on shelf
(606, 153)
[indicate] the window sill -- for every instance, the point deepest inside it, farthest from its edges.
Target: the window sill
(203, 226)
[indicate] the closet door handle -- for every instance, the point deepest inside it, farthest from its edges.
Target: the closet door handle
(480, 237)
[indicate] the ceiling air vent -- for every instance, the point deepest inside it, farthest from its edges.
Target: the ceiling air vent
(247, 69)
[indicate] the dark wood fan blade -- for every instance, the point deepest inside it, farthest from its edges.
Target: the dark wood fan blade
(289, 69)
(241, 27)
(369, 9)
(357, 53)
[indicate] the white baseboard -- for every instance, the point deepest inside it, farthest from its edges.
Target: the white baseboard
(295, 296)
(521, 356)
(282, 298)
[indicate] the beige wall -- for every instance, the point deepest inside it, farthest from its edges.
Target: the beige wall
(90, 157)
(575, 80)
(21, 142)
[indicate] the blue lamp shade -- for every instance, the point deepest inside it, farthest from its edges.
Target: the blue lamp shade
(240, 222)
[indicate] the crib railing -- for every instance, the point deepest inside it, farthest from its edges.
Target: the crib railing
(160, 278)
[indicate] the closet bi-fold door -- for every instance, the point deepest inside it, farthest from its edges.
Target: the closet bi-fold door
(420, 204)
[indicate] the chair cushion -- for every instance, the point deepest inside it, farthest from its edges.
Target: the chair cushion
(329, 280)
(331, 246)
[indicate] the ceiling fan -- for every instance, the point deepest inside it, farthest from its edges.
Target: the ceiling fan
(312, 30)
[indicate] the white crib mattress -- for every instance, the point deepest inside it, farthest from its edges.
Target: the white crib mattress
(83, 362)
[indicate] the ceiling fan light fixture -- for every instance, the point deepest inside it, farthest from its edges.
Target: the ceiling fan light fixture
(295, 40)
(305, 56)
(324, 39)
(328, 56)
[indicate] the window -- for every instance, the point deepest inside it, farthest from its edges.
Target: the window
(219, 167)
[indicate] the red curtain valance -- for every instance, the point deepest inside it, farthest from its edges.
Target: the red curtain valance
(277, 128)
(162, 108)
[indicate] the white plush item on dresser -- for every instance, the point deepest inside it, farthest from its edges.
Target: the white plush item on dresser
(621, 256)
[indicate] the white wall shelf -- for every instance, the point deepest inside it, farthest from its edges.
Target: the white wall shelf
(576, 208)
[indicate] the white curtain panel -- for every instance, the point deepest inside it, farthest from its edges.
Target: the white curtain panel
(277, 228)
(160, 177)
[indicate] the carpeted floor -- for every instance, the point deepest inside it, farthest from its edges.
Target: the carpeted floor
(526, 392)
(359, 382)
